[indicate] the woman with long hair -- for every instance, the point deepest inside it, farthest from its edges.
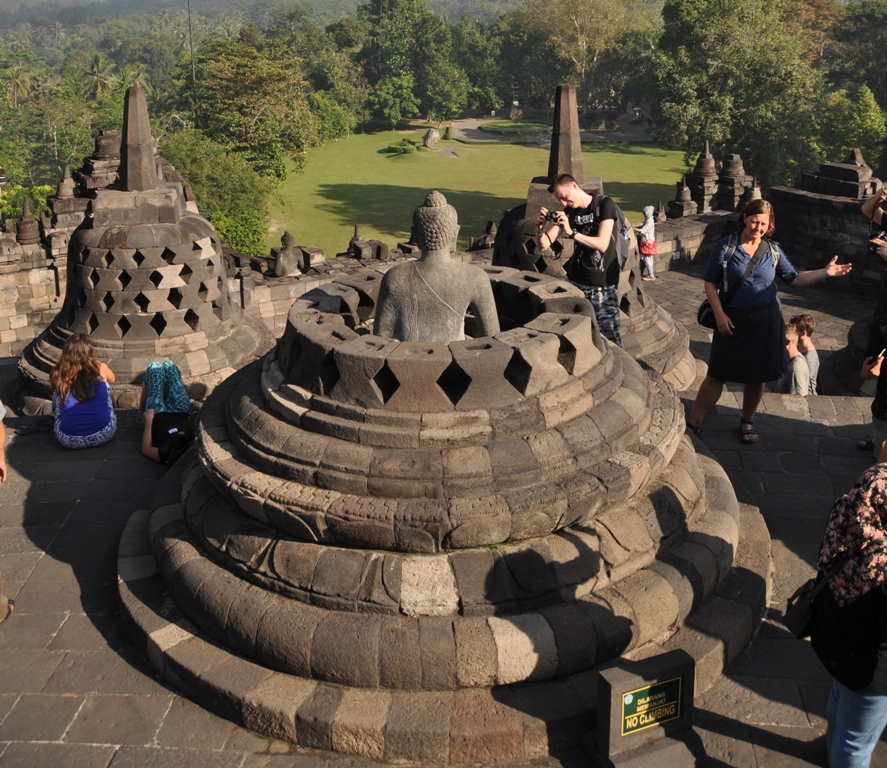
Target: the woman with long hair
(81, 398)
(748, 345)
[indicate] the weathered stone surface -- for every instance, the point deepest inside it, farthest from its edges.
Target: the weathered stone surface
(419, 727)
(484, 730)
(417, 367)
(525, 647)
(358, 727)
(345, 649)
(428, 587)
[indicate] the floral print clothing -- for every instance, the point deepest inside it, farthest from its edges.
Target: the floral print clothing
(857, 528)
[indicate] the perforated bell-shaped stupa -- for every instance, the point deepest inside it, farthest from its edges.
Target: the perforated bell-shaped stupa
(146, 280)
(422, 550)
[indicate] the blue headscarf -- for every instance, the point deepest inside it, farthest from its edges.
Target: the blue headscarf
(166, 391)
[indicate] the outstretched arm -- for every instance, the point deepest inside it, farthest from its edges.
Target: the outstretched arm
(812, 276)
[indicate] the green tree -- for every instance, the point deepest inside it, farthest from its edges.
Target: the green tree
(135, 74)
(865, 46)
(228, 191)
(393, 98)
(853, 119)
(20, 81)
(12, 201)
(581, 32)
(252, 102)
(728, 73)
(476, 50)
(99, 79)
(531, 67)
(444, 91)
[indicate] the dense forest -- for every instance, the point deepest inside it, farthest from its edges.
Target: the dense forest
(787, 83)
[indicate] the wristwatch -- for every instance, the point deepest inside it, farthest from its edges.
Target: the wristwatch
(571, 236)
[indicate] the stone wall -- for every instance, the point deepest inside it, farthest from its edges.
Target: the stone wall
(30, 296)
(814, 227)
(687, 240)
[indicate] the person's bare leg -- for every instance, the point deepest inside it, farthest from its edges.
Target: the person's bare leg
(709, 393)
(148, 448)
(751, 399)
(143, 399)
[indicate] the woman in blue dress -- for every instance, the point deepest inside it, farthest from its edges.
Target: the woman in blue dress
(81, 400)
(748, 345)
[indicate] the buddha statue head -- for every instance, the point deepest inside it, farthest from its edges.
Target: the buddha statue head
(436, 224)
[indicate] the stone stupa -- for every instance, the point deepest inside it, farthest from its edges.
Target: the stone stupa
(648, 332)
(146, 280)
(423, 550)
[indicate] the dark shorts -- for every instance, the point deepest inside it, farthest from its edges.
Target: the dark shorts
(755, 353)
(169, 435)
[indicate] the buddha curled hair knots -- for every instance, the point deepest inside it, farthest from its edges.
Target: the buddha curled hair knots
(436, 223)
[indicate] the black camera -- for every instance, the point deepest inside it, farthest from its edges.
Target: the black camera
(872, 247)
(551, 216)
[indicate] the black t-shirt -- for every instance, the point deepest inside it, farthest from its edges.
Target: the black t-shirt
(589, 266)
(877, 342)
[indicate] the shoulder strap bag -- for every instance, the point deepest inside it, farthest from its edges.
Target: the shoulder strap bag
(798, 615)
(705, 315)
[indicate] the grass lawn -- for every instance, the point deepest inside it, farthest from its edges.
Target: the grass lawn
(356, 181)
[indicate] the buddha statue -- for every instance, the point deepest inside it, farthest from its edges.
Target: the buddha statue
(427, 299)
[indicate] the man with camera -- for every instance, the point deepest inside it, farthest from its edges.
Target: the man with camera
(874, 211)
(594, 266)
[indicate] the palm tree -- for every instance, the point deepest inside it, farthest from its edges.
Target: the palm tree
(19, 84)
(100, 78)
(134, 74)
(19, 41)
(57, 33)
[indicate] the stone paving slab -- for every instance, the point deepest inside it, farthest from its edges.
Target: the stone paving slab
(61, 513)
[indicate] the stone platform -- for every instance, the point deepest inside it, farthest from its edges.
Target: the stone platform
(76, 692)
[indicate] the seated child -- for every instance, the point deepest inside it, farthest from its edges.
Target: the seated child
(797, 379)
(806, 325)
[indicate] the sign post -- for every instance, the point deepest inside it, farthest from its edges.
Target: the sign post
(645, 712)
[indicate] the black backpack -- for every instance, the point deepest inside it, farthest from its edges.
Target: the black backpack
(621, 231)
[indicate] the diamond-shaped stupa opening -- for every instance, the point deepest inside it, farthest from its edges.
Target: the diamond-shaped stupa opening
(124, 280)
(93, 323)
(387, 382)
(124, 325)
(185, 272)
(139, 258)
(156, 278)
(192, 319)
(158, 323)
(566, 355)
(94, 278)
(517, 372)
(175, 297)
(108, 302)
(203, 293)
(454, 382)
(142, 302)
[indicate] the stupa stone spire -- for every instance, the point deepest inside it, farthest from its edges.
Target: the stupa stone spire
(138, 172)
(566, 145)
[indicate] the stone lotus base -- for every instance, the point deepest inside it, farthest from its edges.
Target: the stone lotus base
(688, 598)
